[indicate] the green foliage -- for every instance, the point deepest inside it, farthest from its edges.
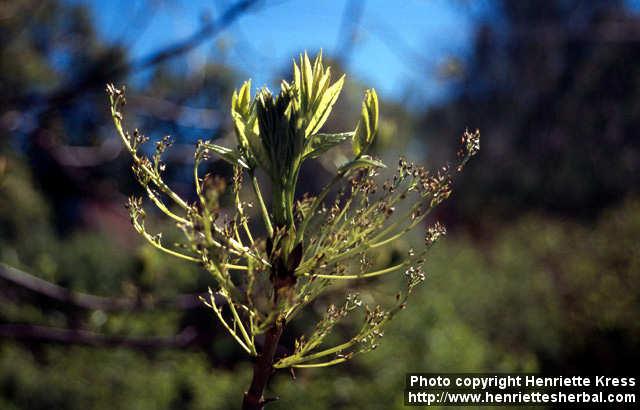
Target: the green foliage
(484, 309)
(31, 223)
(115, 379)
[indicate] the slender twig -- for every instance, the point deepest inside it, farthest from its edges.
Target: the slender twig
(238, 321)
(263, 206)
(362, 275)
(163, 207)
(218, 312)
(291, 360)
(316, 203)
(323, 364)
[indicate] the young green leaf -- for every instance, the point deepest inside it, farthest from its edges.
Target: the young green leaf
(368, 124)
(323, 107)
(321, 143)
(230, 155)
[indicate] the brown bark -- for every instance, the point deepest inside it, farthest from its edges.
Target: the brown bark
(262, 369)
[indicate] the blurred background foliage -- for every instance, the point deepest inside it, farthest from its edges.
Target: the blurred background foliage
(539, 272)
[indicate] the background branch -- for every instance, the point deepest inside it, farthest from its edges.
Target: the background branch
(93, 302)
(98, 78)
(349, 27)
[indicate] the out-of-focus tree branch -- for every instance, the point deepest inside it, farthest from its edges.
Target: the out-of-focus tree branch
(348, 33)
(415, 61)
(203, 118)
(46, 334)
(209, 29)
(93, 302)
(98, 78)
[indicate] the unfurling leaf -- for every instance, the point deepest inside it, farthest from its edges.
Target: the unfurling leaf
(240, 109)
(368, 124)
(231, 156)
(241, 99)
(315, 96)
(323, 105)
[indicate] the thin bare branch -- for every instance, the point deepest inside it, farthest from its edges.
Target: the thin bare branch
(93, 302)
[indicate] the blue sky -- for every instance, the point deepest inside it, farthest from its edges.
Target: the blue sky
(398, 46)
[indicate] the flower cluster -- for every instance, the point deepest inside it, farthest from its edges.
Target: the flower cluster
(263, 283)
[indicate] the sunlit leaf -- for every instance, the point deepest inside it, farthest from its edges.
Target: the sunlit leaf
(321, 143)
(368, 124)
(230, 155)
(324, 106)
